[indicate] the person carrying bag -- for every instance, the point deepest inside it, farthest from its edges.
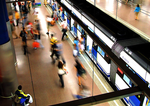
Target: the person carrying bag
(61, 71)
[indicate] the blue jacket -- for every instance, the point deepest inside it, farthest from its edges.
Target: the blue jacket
(137, 9)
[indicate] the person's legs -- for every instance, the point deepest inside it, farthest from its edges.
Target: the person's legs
(61, 80)
(17, 21)
(63, 36)
(63, 59)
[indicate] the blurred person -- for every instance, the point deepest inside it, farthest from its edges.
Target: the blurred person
(75, 52)
(23, 34)
(45, 3)
(64, 28)
(82, 43)
(55, 17)
(59, 51)
(76, 41)
(24, 98)
(12, 27)
(37, 26)
(48, 19)
(36, 14)
(53, 8)
(53, 41)
(28, 28)
(24, 13)
(17, 17)
(29, 5)
(19, 4)
(137, 10)
(59, 11)
(61, 72)
(83, 93)
(37, 38)
(14, 4)
(81, 73)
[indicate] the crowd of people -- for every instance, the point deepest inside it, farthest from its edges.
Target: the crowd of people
(33, 30)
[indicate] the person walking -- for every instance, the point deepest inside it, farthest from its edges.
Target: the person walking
(29, 5)
(64, 28)
(12, 27)
(61, 72)
(81, 73)
(137, 10)
(24, 12)
(28, 28)
(37, 38)
(48, 19)
(82, 44)
(59, 52)
(19, 4)
(23, 34)
(17, 17)
(53, 41)
(55, 17)
(76, 42)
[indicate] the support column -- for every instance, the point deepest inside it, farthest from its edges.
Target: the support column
(8, 76)
(113, 71)
(10, 14)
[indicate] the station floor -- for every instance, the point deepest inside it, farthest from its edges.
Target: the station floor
(39, 77)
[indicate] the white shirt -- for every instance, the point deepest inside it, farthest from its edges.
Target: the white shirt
(28, 27)
(64, 24)
(49, 19)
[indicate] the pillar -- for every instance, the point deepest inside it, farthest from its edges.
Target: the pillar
(10, 14)
(113, 71)
(8, 76)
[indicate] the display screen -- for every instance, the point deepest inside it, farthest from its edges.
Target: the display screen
(101, 51)
(79, 28)
(127, 80)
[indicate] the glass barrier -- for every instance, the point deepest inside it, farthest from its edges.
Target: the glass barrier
(124, 12)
